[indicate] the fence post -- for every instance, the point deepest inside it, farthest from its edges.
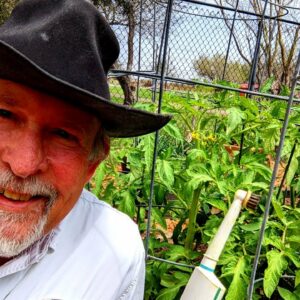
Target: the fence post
(230, 38)
(162, 79)
(251, 80)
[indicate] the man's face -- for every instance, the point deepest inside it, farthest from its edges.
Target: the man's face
(45, 145)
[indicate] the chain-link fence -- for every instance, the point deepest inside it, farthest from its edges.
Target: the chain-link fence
(177, 45)
(208, 42)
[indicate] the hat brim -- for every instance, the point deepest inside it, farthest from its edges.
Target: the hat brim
(117, 120)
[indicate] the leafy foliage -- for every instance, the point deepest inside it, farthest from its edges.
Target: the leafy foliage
(198, 170)
(277, 264)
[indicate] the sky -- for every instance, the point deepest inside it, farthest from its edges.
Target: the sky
(196, 31)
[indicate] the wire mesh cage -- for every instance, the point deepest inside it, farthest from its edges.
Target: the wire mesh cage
(182, 52)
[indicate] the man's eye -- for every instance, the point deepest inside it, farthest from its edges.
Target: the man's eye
(5, 113)
(64, 134)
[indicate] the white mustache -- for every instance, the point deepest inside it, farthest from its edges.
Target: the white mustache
(31, 185)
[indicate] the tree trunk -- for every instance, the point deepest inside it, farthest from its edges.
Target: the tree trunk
(127, 89)
(125, 81)
(130, 42)
(125, 84)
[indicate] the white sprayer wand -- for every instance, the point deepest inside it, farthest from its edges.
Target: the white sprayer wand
(204, 284)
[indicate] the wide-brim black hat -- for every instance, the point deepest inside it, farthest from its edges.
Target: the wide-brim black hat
(65, 48)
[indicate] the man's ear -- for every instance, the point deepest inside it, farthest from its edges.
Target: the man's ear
(91, 169)
(106, 147)
(102, 156)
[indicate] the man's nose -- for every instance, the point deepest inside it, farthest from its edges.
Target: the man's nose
(26, 156)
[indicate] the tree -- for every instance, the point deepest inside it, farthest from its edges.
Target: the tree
(279, 40)
(125, 13)
(122, 12)
(212, 68)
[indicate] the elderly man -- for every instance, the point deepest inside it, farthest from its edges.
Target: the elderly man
(56, 240)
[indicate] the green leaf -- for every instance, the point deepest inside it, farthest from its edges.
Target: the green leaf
(267, 85)
(260, 185)
(165, 172)
(294, 239)
(284, 91)
(294, 224)
(297, 279)
(182, 277)
(176, 278)
(198, 179)
(134, 158)
(127, 203)
(220, 204)
(251, 227)
(277, 109)
(293, 256)
(297, 292)
(287, 295)
(203, 178)
(168, 293)
(270, 135)
(187, 194)
(158, 217)
(250, 105)
(148, 146)
(99, 176)
(176, 252)
(275, 241)
(109, 193)
(167, 280)
(196, 155)
(277, 264)
(292, 170)
(222, 186)
(235, 118)
(276, 224)
(172, 130)
(238, 286)
(279, 211)
(260, 169)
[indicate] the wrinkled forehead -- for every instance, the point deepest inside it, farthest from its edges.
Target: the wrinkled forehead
(14, 94)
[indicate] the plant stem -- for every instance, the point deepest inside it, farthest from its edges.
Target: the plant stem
(188, 244)
(284, 234)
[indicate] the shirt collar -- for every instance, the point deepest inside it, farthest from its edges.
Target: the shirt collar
(32, 254)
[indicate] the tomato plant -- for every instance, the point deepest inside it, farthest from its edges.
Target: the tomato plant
(198, 170)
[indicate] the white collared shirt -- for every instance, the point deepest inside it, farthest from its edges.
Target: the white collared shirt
(95, 253)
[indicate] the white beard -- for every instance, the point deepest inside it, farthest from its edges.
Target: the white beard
(20, 230)
(14, 244)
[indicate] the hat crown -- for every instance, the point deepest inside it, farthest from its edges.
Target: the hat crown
(67, 38)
